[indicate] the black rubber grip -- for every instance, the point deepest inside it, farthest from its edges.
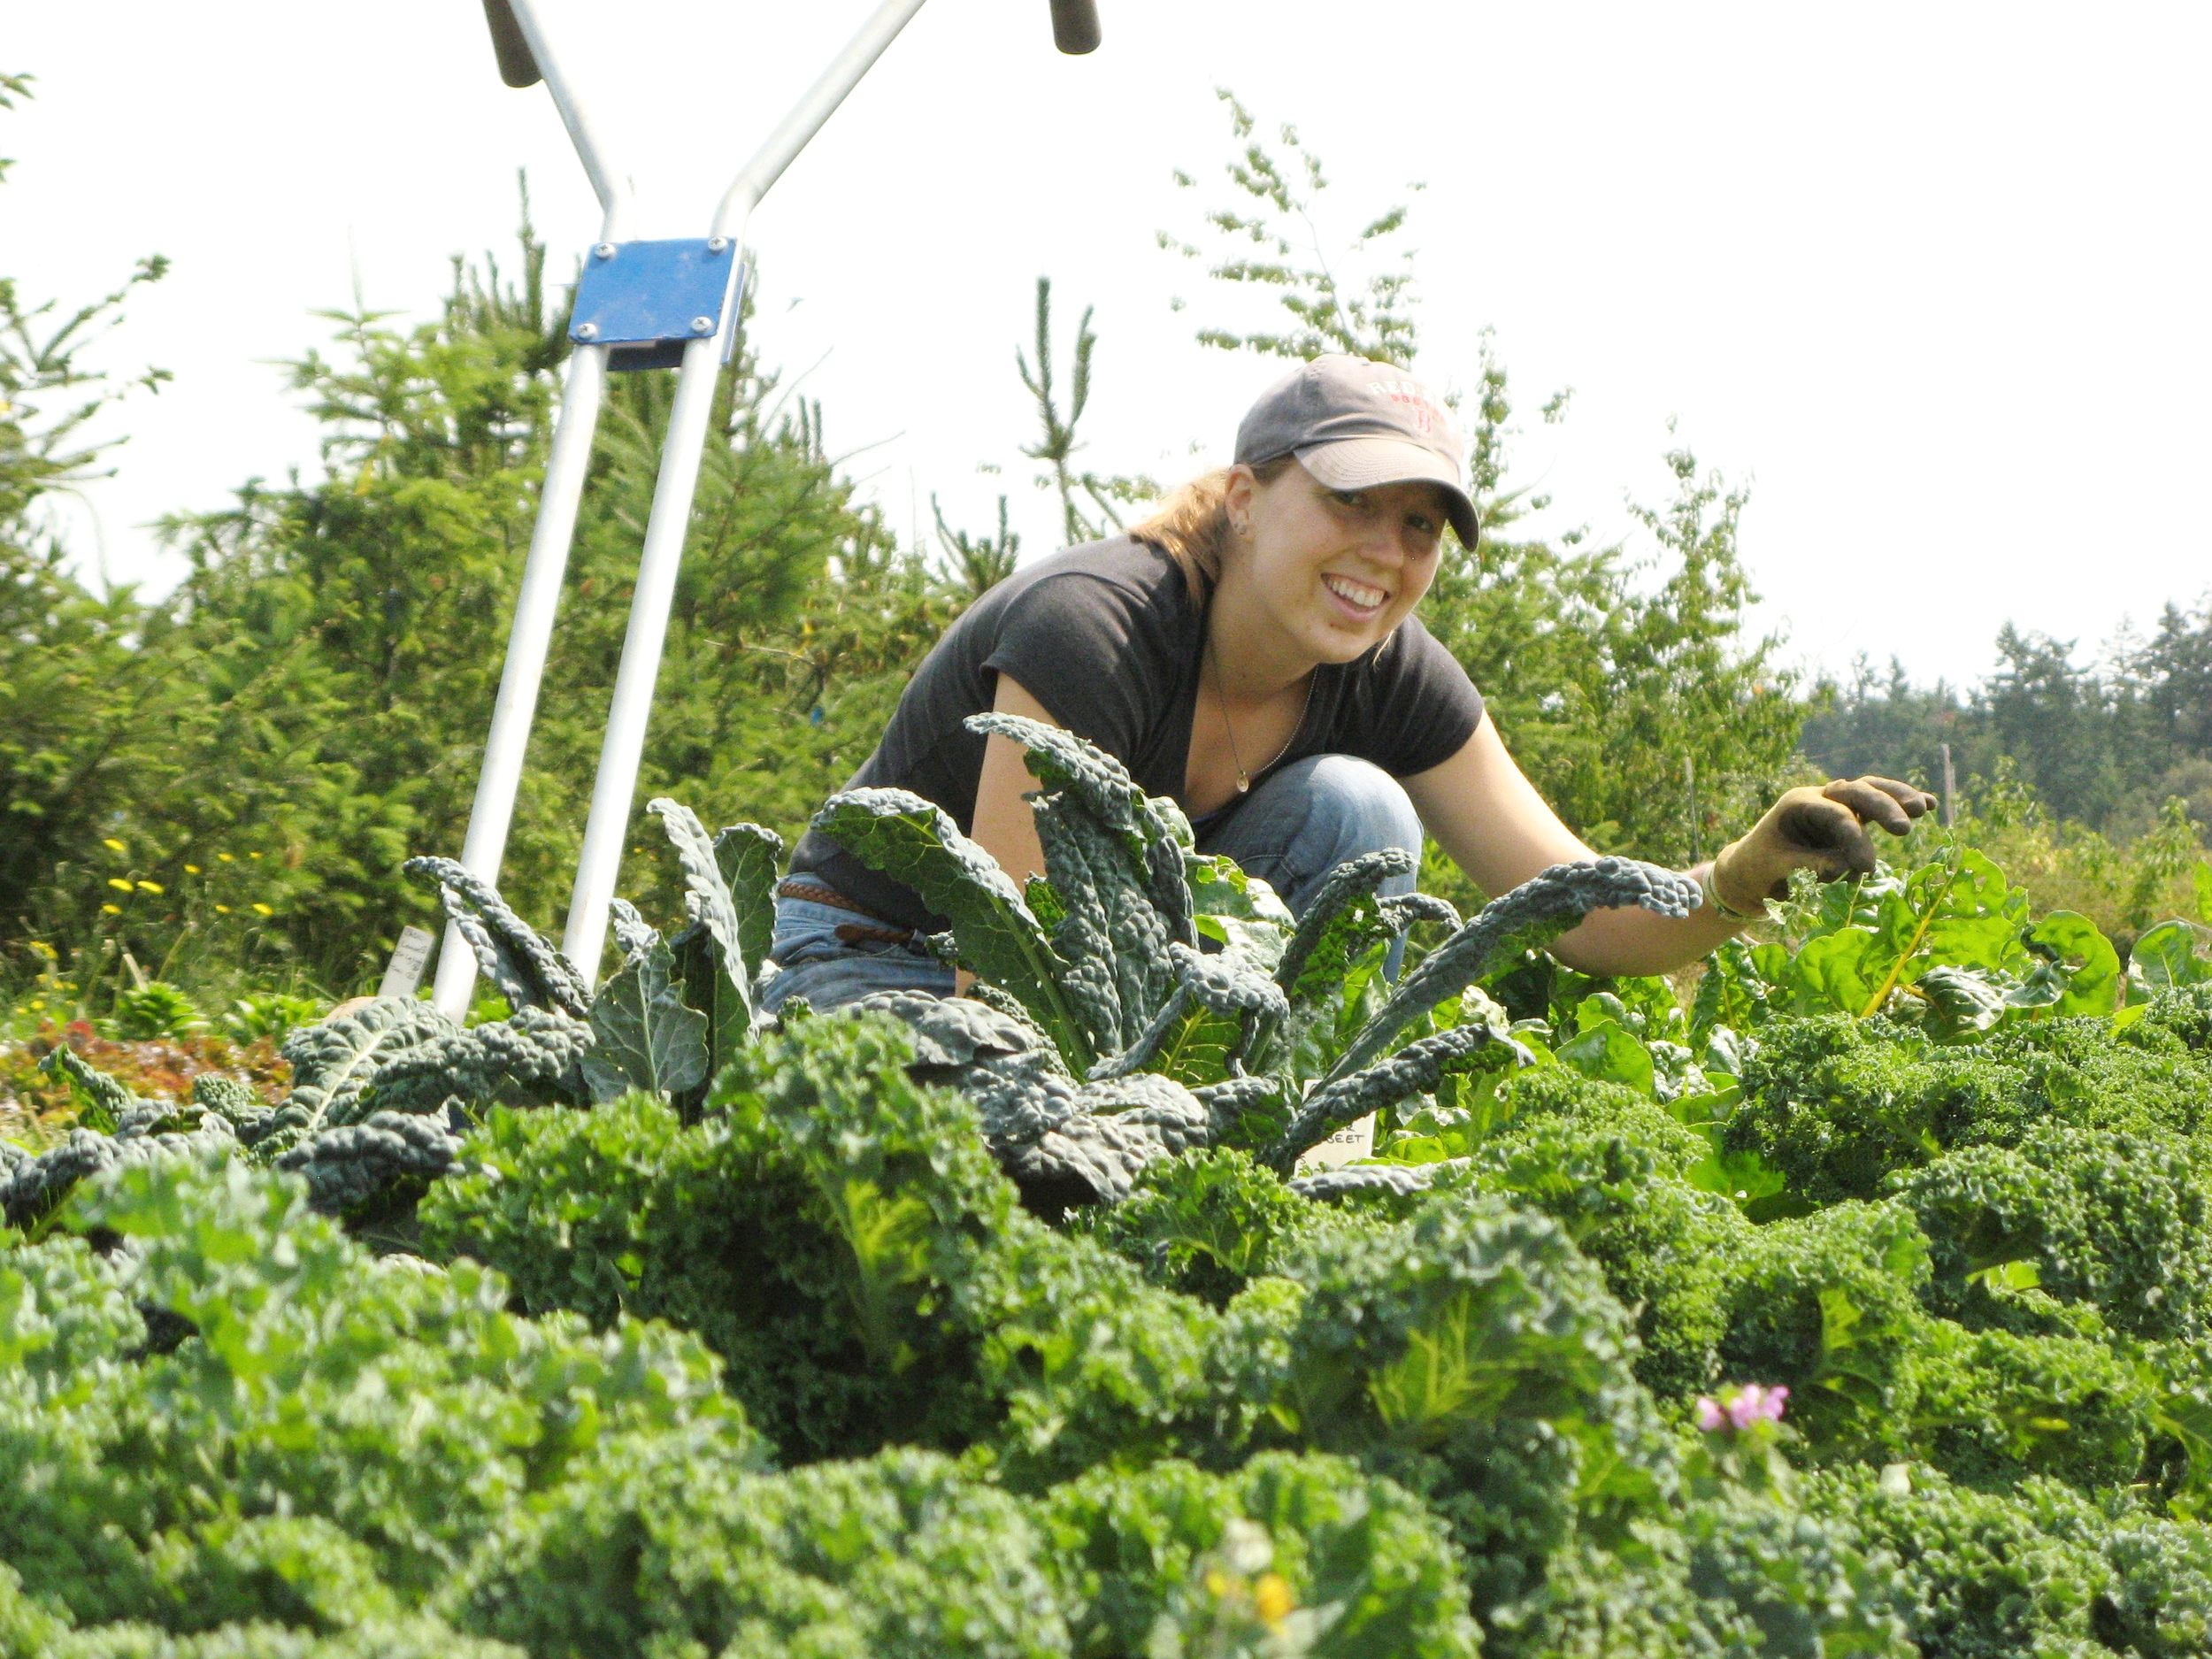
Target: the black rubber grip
(1074, 25)
(517, 67)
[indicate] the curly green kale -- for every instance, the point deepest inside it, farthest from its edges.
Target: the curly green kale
(1992, 1575)
(1471, 1354)
(1303, 1553)
(1828, 1305)
(1992, 1407)
(903, 1556)
(1838, 1105)
(1207, 1223)
(2118, 1221)
(338, 1440)
(843, 1237)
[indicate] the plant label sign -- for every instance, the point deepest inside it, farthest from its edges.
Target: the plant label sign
(410, 956)
(1348, 1144)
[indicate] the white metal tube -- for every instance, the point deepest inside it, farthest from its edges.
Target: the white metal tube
(807, 116)
(600, 864)
(560, 493)
(623, 745)
(528, 642)
(582, 132)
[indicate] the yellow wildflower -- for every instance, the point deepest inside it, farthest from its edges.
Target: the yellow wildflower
(263, 909)
(222, 910)
(226, 858)
(112, 845)
(1272, 1597)
(119, 884)
(192, 869)
(150, 887)
(110, 909)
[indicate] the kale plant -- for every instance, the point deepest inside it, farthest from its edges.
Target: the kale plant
(1138, 958)
(381, 1097)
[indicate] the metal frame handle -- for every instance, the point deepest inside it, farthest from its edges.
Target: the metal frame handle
(527, 54)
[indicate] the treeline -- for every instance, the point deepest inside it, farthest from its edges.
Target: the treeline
(2107, 744)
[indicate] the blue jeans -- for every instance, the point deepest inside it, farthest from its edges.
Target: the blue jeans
(1291, 832)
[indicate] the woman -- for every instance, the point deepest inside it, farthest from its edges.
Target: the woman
(1252, 651)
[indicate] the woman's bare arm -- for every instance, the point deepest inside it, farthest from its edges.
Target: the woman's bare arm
(1004, 823)
(1484, 813)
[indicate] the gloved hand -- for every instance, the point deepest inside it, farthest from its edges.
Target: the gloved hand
(1822, 830)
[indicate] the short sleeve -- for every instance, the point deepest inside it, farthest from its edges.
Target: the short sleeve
(1083, 646)
(1420, 706)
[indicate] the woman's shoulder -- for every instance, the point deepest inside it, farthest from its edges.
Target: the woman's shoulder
(1136, 568)
(1126, 586)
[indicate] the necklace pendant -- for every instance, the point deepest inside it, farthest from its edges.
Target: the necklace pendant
(1244, 782)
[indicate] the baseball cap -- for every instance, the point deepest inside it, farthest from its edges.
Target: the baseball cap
(1354, 425)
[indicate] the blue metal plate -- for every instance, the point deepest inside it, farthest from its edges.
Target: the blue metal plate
(650, 292)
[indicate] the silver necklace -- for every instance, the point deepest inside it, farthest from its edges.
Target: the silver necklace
(1221, 700)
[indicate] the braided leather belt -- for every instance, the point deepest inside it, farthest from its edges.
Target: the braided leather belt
(849, 933)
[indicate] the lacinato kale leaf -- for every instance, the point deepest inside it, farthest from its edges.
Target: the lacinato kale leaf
(916, 842)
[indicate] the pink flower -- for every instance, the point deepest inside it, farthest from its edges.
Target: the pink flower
(1751, 1404)
(1739, 1408)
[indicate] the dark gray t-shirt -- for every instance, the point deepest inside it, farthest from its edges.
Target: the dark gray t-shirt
(1107, 638)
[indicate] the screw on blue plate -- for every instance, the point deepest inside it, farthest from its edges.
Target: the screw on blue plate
(646, 298)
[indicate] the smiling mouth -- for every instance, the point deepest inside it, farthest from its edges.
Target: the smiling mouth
(1362, 599)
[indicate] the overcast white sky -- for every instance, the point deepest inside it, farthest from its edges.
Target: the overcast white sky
(1932, 279)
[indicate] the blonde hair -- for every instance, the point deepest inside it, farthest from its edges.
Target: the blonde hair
(1192, 524)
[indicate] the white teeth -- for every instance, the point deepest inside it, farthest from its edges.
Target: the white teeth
(1358, 593)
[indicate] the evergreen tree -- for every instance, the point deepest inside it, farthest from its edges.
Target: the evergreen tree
(88, 718)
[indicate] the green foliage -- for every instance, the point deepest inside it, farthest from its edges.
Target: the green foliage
(1206, 1224)
(1270, 240)
(901, 1555)
(1056, 447)
(1471, 1354)
(1828, 1305)
(2036, 1570)
(1290, 1554)
(332, 1439)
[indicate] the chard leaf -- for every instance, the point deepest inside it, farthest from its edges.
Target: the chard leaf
(528, 971)
(2093, 967)
(1838, 972)
(1961, 1002)
(2164, 958)
(913, 840)
(1610, 1055)
(643, 1036)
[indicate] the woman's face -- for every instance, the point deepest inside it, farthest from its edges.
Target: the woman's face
(1334, 570)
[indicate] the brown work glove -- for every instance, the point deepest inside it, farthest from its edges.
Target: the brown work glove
(1822, 830)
